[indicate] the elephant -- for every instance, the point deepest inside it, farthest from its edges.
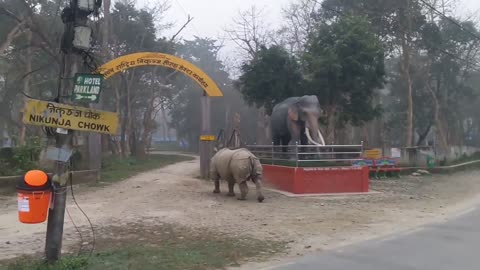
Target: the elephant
(236, 166)
(295, 120)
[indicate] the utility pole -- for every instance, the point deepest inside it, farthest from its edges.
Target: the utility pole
(76, 39)
(56, 214)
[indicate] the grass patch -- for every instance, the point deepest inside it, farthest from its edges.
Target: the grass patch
(166, 146)
(159, 247)
(116, 169)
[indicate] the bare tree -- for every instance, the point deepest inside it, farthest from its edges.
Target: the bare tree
(299, 23)
(249, 32)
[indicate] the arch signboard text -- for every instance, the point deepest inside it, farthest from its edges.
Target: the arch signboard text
(160, 59)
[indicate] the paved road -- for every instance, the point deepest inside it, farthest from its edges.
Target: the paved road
(454, 245)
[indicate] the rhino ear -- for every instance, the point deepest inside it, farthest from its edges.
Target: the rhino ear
(293, 113)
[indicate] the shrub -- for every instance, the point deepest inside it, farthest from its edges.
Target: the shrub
(19, 159)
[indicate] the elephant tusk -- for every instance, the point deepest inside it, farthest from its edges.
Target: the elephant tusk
(321, 137)
(307, 132)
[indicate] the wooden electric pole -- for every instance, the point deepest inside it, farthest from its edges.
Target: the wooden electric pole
(74, 16)
(56, 214)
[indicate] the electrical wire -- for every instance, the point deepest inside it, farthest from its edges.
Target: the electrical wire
(86, 216)
(450, 19)
(78, 231)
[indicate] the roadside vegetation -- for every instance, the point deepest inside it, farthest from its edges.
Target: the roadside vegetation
(140, 246)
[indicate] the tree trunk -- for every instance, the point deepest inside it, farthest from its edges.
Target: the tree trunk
(366, 138)
(261, 139)
(165, 122)
(423, 136)
(106, 29)
(128, 122)
(409, 92)
(267, 129)
(118, 109)
(106, 56)
(125, 136)
(438, 121)
(331, 123)
(405, 38)
(460, 138)
(147, 121)
(26, 83)
(129, 130)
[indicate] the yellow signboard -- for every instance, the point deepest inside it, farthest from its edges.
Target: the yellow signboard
(160, 59)
(207, 138)
(51, 114)
(373, 153)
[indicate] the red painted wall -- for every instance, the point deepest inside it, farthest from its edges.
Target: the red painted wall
(279, 176)
(317, 179)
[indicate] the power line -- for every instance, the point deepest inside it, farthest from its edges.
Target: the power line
(450, 19)
(459, 58)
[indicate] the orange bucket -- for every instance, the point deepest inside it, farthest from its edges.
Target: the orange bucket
(33, 202)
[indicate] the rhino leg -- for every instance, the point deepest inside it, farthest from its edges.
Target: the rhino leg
(258, 185)
(231, 192)
(243, 190)
(216, 181)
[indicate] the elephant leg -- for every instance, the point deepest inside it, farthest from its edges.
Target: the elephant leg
(243, 191)
(294, 130)
(231, 192)
(276, 141)
(285, 141)
(304, 141)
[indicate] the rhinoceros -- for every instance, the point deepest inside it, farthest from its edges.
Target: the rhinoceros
(236, 166)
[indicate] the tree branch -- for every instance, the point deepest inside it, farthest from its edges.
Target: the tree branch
(14, 33)
(189, 19)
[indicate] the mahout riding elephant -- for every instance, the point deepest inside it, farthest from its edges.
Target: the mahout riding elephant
(236, 166)
(295, 120)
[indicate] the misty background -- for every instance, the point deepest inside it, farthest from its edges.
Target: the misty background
(413, 73)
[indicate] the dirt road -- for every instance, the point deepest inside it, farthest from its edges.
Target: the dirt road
(174, 195)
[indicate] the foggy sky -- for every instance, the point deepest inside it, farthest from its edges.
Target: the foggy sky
(211, 17)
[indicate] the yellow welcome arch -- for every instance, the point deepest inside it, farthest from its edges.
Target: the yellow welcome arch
(160, 59)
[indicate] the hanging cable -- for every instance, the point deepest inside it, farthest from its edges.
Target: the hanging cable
(84, 214)
(476, 36)
(78, 231)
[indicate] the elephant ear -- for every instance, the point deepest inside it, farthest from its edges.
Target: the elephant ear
(293, 113)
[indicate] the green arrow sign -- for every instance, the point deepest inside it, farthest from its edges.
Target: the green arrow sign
(87, 87)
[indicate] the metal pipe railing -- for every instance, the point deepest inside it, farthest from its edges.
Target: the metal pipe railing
(300, 153)
(306, 146)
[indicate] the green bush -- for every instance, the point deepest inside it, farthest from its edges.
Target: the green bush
(20, 159)
(6, 157)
